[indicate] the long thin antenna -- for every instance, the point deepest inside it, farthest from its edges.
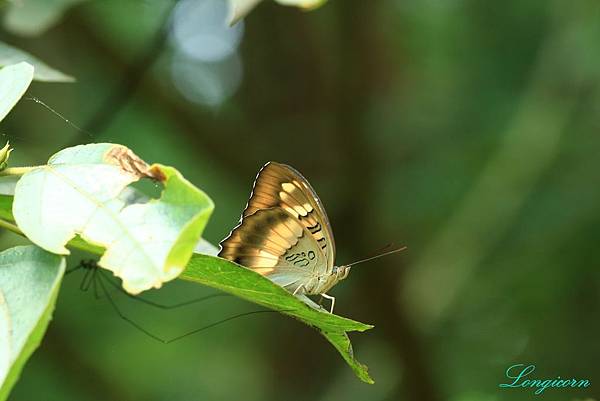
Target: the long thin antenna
(400, 249)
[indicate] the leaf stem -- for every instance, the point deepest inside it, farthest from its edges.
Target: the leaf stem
(76, 242)
(82, 245)
(10, 226)
(18, 170)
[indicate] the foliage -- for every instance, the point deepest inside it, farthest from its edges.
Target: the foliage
(33, 17)
(42, 72)
(240, 8)
(86, 183)
(81, 192)
(83, 198)
(465, 130)
(247, 284)
(29, 282)
(14, 81)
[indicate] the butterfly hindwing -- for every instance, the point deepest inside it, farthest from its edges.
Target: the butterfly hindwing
(279, 185)
(274, 243)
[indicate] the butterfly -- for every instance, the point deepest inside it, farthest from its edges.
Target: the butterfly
(284, 234)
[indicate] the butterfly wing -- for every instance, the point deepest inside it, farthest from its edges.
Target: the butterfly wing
(275, 244)
(279, 185)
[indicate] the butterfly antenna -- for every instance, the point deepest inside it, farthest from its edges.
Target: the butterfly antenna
(396, 250)
(384, 248)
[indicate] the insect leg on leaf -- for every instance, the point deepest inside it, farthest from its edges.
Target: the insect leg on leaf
(101, 281)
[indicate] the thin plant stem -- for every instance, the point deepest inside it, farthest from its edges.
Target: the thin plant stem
(76, 243)
(11, 227)
(18, 170)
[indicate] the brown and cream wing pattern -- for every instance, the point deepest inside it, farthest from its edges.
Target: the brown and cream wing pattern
(279, 185)
(275, 244)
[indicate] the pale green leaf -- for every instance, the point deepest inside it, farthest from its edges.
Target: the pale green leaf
(43, 72)
(238, 9)
(29, 279)
(5, 338)
(33, 17)
(8, 184)
(245, 283)
(83, 191)
(14, 81)
(305, 4)
(6, 202)
(203, 246)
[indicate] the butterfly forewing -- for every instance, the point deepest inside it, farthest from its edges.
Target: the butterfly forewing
(279, 185)
(274, 243)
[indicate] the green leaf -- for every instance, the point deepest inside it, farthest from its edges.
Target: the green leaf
(33, 17)
(245, 283)
(239, 281)
(29, 280)
(238, 9)
(305, 4)
(5, 338)
(6, 202)
(83, 191)
(14, 81)
(43, 72)
(8, 184)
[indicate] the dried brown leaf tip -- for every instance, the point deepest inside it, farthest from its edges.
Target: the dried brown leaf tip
(132, 164)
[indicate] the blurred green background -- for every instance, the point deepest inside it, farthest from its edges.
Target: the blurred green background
(466, 130)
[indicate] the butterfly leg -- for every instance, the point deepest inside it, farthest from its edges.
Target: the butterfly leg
(309, 302)
(332, 299)
(297, 290)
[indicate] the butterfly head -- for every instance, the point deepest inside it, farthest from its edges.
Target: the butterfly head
(326, 281)
(341, 272)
